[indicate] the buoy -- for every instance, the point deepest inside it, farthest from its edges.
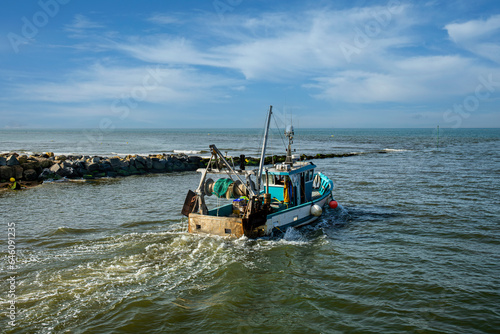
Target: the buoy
(333, 204)
(316, 210)
(12, 179)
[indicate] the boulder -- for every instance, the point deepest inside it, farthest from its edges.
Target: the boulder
(45, 174)
(3, 161)
(117, 163)
(141, 160)
(178, 166)
(69, 172)
(61, 157)
(122, 172)
(82, 171)
(67, 163)
(5, 173)
(22, 159)
(160, 164)
(194, 160)
(30, 165)
(112, 174)
(95, 159)
(79, 164)
(30, 175)
(12, 161)
(132, 170)
(55, 168)
(92, 167)
(46, 163)
(105, 167)
(139, 165)
(18, 172)
(149, 163)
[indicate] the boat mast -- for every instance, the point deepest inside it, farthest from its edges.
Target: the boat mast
(289, 133)
(263, 153)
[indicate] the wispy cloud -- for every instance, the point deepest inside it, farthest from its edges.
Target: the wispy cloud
(275, 46)
(81, 25)
(106, 83)
(411, 80)
(164, 19)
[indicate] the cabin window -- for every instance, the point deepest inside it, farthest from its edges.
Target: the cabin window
(270, 178)
(198, 226)
(274, 180)
(227, 230)
(310, 175)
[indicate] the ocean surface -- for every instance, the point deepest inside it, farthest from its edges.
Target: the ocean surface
(414, 248)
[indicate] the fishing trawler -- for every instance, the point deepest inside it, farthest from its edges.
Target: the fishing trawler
(288, 194)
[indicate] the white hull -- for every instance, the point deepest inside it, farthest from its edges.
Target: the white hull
(294, 217)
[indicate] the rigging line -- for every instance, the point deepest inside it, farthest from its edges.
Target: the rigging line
(279, 131)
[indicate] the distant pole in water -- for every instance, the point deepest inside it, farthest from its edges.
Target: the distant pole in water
(437, 137)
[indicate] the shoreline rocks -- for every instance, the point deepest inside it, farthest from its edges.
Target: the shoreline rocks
(44, 166)
(40, 167)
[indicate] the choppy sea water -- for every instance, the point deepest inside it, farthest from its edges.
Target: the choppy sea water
(415, 247)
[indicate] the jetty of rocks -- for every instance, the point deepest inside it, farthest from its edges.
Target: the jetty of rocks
(43, 166)
(39, 167)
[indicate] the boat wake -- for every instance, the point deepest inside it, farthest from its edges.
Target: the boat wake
(91, 278)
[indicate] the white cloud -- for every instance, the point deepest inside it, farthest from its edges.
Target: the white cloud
(411, 80)
(473, 30)
(476, 35)
(163, 19)
(81, 22)
(280, 45)
(142, 84)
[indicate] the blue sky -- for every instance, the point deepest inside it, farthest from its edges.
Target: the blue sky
(221, 63)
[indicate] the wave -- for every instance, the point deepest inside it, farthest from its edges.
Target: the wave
(187, 151)
(394, 150)
(140, 223)
(68, 230)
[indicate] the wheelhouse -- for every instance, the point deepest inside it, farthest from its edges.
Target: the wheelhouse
(291, 185)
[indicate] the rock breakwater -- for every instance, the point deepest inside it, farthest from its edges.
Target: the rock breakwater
(44, 166)
(40, 167)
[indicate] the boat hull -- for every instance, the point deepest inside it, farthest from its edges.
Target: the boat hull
(233, 226)
(294, 217)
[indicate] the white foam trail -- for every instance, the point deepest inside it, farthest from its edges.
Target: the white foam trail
(294, 235)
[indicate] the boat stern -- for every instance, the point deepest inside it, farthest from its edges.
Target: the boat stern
(223, 226)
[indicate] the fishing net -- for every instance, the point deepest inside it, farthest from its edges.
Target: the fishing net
(221, 187)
